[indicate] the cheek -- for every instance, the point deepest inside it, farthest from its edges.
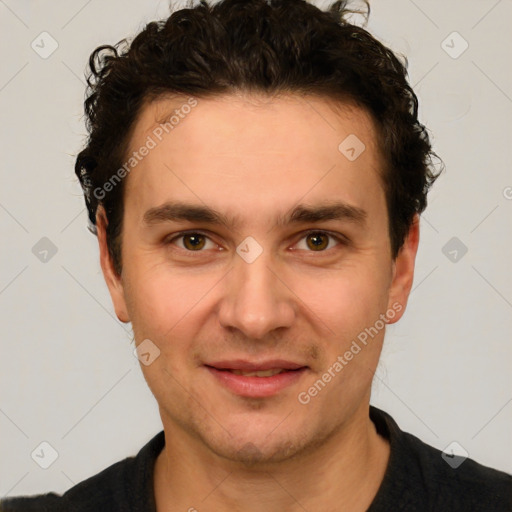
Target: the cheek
(161, 301)
(348, 310)
(346, 301)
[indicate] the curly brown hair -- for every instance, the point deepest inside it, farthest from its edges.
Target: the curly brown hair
(272, 46)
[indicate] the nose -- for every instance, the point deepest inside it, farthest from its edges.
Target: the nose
(256, 301)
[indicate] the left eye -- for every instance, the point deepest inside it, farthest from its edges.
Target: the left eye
(314, 241)
(317, 241)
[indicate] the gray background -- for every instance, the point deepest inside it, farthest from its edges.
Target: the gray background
(68, 375)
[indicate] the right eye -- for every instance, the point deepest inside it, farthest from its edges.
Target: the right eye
(191, 241)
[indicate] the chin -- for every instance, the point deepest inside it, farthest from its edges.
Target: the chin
(253, 454)
(262, 446)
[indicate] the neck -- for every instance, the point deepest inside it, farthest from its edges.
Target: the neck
(343, 474)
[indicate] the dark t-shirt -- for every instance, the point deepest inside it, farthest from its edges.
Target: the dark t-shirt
(417, 478)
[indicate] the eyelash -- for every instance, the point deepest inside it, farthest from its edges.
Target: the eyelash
(339, 238)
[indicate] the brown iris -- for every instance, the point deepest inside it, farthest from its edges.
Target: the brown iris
(317, 241)
(194, 241)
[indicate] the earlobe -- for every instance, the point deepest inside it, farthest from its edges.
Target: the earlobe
(112, 279)
(403, 274)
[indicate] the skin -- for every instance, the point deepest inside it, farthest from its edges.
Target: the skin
(255, 158)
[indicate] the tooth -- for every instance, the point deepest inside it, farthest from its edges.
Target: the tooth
(261, 373)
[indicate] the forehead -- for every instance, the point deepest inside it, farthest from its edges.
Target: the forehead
(271, 151)
(297, 119)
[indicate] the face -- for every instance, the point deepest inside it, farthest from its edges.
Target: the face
(251, 240)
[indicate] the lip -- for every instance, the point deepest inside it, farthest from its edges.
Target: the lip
(257, 387)
(247, 366)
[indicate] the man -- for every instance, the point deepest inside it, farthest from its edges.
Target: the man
(255, 174)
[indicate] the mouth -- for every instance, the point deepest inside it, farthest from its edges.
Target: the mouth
(260, 373)
(256, 380)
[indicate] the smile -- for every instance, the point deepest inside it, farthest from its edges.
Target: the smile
(256, 384)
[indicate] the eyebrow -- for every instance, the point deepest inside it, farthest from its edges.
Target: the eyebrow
(302, 213)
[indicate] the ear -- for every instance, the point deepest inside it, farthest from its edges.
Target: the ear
(113, 280)
(403, 271)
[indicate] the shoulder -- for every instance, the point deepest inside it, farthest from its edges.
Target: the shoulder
(126, 485)
(462, 483)
(95, 493)
(38, 503)
(422, 477)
